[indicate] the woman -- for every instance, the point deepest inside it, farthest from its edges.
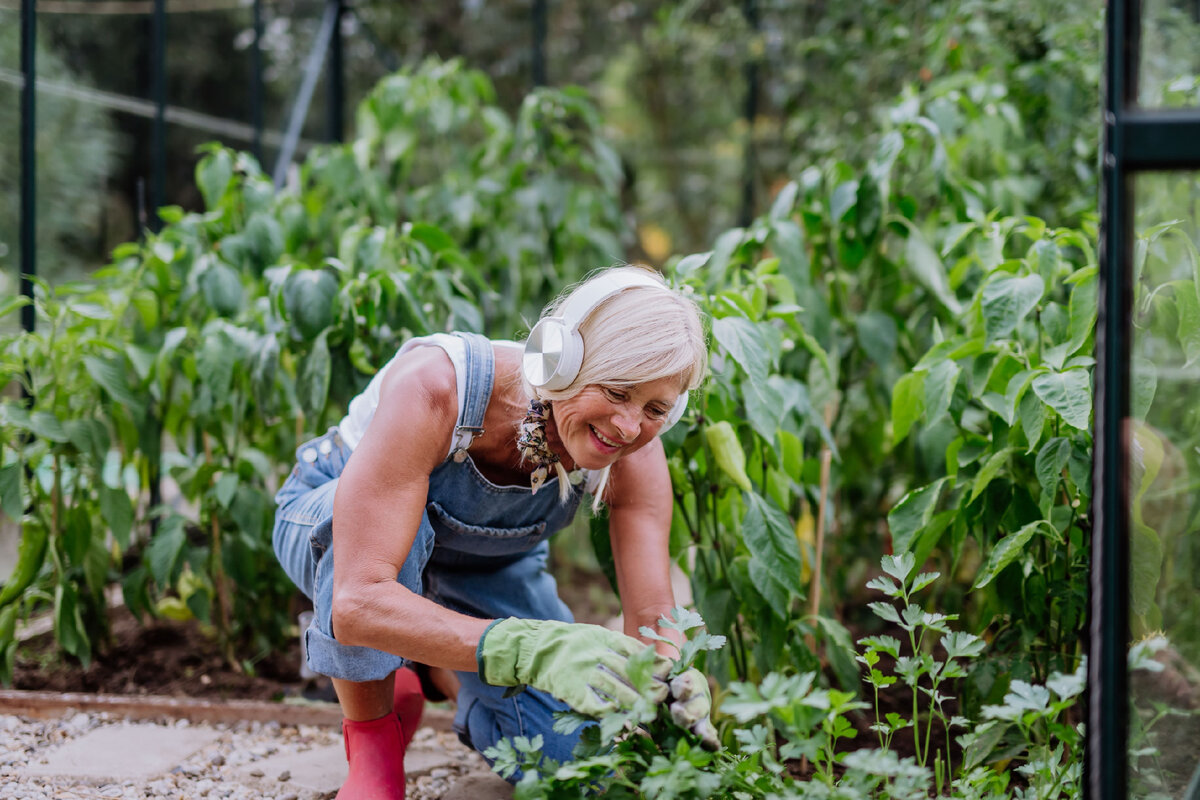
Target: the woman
(418, 529)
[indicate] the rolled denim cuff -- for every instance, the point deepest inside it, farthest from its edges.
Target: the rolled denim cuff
(329, 657)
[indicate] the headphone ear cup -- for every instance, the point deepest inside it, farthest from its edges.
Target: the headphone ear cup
(553, 355)
(676, 413)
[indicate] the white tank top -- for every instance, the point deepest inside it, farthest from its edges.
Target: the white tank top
(362, 408)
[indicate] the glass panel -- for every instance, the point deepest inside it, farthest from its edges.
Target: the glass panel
(1164, 490)
(1169, 72)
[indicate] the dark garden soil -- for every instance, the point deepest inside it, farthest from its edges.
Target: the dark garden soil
(177, 659)
(161, 657)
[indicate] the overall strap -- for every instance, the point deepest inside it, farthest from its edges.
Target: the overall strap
(480, 372)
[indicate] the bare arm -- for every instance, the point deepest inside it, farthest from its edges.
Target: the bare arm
(640, 527)
(377, 511)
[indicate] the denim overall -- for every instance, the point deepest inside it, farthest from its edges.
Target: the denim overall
(481, 550)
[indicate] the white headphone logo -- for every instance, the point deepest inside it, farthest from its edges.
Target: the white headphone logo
(554, 349)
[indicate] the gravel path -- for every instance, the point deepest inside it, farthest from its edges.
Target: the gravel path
(224, 767)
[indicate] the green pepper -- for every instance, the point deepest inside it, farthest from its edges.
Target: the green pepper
(728, 452)
(30, 555)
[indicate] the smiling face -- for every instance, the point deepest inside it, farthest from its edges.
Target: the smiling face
(603, 423)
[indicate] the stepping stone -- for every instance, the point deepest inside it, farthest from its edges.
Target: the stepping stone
(118, 753)
(479, 786)
(323, 769)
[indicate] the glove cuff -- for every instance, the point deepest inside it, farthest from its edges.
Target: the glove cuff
(479, 665)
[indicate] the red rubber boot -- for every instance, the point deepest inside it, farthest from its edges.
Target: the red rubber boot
(375, 750)
(408, 701)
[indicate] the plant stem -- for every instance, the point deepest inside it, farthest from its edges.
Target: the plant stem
(218, 573)
(818, 556)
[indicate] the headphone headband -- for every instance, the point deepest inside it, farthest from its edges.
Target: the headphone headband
(554, 350)
(591, 294)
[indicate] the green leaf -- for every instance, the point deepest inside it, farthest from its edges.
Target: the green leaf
(1033, 418)
(45, 425)
(1069, 393)
(939, 389)
(312, 385)
(771, 540)
(165, 549)
(877, 336)
(213, 175)
(908, 403)
(69, 631)
(1145, 567)
(117, 511)
(309, 296)
(222, 289)
(1050, 462)
(10, 492)
(1007, 300)
(1143, 379)
(927, 267)
(990, 470)
(1188, 329)
(912, 514)
(787, 241)
(1009, 549)
(745, 343)
(774, 590)
(114, 378)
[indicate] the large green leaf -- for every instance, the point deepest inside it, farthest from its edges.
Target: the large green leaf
(990, 470)
(939, 389)
(745, 343)
(771, 540)
(117, 510)
(1050, 462)
(1006, 301)
(312, 385)
(309, 296)
(1145, 567)
(114, 378)
(1009, 549)
(10, 491)
(908, 403)
(213, 175)
(165, 549)
(928, 269)
(909, 517)
(1069, 393)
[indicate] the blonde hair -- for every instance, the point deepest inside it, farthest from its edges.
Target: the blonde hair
(635, 336)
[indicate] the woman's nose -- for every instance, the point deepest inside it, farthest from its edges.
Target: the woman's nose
(626, 423)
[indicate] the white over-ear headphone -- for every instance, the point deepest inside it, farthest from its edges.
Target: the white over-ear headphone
(554, 349)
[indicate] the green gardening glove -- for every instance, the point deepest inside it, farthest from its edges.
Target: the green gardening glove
(582, 665)
(691, 705)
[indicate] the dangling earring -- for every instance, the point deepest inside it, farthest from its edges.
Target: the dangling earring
(532, 442)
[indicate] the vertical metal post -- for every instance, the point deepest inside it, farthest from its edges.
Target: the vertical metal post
(256, 84)
(537, 56)
(1106, 760)
(312, 71)
(336, 78)
(28, 236)
(750, 10)
(158, 132)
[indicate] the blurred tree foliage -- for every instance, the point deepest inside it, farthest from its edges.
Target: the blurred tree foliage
(673, 80)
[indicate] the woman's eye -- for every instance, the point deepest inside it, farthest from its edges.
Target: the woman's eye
(656, 413)
(615, 395)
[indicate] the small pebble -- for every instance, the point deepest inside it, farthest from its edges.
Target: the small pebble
(285, 776)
